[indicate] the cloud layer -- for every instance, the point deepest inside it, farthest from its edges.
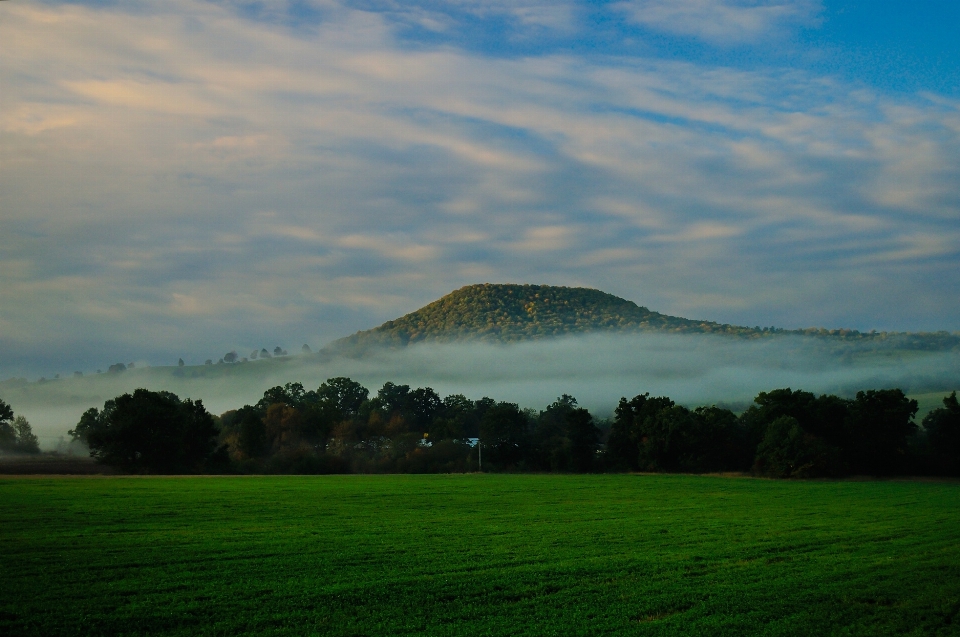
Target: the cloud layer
(184, 178)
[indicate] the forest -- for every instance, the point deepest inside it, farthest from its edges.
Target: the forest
(341, 428)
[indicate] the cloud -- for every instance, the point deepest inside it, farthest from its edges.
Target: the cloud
(305, 179)
(722, 21)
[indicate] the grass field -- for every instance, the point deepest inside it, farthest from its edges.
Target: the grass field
(478, 555)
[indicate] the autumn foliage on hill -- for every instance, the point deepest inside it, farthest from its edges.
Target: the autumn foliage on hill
(509, 313)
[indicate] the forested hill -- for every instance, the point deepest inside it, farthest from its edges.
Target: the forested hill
(507, 313)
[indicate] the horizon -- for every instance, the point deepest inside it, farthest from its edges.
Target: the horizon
(192, 176)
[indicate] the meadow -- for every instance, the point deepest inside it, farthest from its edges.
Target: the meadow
(478, 554)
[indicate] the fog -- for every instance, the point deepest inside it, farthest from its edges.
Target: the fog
(596, 369)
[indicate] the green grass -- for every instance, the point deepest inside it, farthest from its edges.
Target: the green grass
(478, 555)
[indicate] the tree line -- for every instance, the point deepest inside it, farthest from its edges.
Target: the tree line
(341, 428)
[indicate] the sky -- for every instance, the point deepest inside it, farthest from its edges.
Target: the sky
(185, 178)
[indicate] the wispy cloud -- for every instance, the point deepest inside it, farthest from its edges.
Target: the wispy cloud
(186, 171)
(722, 21)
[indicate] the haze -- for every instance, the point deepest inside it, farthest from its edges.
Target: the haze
(597, 370)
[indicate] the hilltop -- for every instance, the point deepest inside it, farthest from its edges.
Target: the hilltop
(508, 313)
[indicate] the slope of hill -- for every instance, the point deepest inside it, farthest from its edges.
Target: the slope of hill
(507, 313)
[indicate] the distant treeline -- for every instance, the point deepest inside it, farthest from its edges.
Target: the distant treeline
(340, 428)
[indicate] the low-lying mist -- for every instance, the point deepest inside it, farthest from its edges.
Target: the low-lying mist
(596, 369)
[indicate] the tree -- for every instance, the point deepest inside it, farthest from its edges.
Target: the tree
(787, 451)
(424, 406)
(291, 394)
(344, 394)
(393, 399)
(149, 432)
(629, 425)
(878, 427)
(180, 362)
(503, 434)
(942, 426)
(722, 443)
(26, 440)
(230, 357)
(251, 432)
(8, 435)
(584, 438)
(458, 419)
(305, 349)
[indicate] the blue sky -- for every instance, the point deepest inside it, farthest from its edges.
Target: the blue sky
(185, 178)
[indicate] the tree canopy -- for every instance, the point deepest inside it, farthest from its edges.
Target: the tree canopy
(150, 432)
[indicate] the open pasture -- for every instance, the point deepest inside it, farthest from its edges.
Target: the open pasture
(477, 555)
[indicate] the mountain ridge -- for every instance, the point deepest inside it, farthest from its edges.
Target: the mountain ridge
(508, 313)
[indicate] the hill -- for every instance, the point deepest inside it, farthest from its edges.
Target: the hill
(507, 313)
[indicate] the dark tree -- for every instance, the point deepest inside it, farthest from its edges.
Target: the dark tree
(150, 432)
(787, 451)
(722, 443)
(584, 439)
(768, 406)
(424, 405)
(230, 357)
(393, 399)
(26, 440)
(291, 394)
(551, 446)
(251, 432)
(942, 426)
(627, 432)
(180, 362)
(8, 435)
(344, 394)
(503, 434)
(457, 420)
(878, 427)
(664, 438)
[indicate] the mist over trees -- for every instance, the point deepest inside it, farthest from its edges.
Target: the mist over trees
(340, 427)
(16, 434)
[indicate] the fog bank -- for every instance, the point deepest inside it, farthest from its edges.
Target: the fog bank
(596, 369)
